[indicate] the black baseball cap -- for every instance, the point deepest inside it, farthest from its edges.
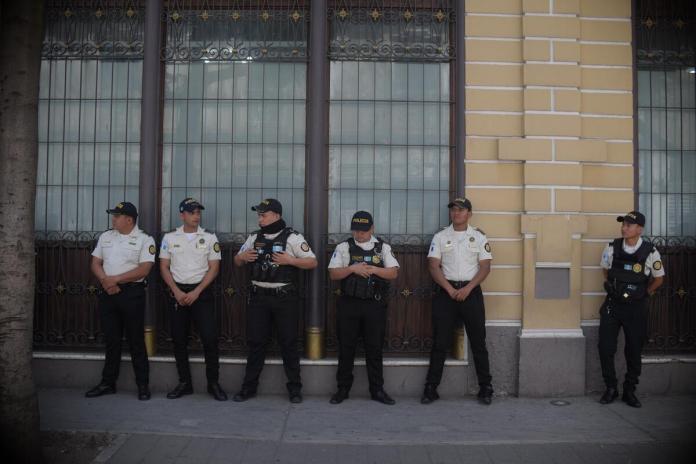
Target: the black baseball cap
(125, 208)
(461, 203)
(362, 221)
(190, 205)
(634, 217)
(269, 204)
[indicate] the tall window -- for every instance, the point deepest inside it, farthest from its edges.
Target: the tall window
(89, 113)
(234, 111)
(389, 122)
(667, 117)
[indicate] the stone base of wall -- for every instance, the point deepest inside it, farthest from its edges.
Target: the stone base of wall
(552, 363)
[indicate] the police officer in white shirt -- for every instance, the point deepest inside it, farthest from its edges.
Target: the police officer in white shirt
(633, 271)
(459, 260)
(189, 262)
(274, 255)
(121, 260)
(364, 264)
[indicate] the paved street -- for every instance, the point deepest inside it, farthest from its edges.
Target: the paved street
(269, 429)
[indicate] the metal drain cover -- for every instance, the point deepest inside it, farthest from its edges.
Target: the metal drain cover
(560, 403)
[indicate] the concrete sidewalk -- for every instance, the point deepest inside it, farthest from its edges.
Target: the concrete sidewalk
(270, 429)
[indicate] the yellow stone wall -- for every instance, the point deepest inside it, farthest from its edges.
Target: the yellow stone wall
(549, 149)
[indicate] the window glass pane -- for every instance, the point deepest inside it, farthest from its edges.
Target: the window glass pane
(396, 171)
(239, 133)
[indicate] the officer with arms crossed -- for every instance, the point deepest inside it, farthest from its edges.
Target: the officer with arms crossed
(273, 254)
(364, 264)
(633, 271)
(459, 260)
(189, 262)
(121, 260)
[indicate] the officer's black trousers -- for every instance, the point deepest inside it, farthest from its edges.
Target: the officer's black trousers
(356, 317)
(261, 312)
(447, 314)
(122, 313)
(633, 319)
(202, 312)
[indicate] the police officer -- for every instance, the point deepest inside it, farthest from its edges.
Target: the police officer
(121, 260)
(459, 260)
(273, 254)
(189, 262)
(633, 271)
(364, 264)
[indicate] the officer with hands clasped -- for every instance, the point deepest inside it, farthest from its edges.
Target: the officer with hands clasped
(189, 262)
(274, 254)
(633, 271)
(121, 260)
(364, 264)
(459, 260)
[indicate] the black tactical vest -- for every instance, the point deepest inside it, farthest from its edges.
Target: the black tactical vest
(626, 280)
(263, 269)
(366, 288)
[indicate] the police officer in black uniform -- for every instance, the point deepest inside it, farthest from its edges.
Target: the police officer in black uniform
(364, 264)
(273, 254)
(121, 260)
(633, 271)
(189, 262)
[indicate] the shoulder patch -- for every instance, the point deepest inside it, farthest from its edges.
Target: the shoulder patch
(216, 247)
(304, 247)
(657, 265)
(487, 247)
(152, 249)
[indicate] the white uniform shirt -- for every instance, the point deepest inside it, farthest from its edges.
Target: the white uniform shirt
(653, 265)
(296, 247)
(341, 255)
(189, 258)
(459, 252)
(123, 253)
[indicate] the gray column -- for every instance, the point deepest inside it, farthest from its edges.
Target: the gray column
(459, 99)
(316, 176)
(150, 128)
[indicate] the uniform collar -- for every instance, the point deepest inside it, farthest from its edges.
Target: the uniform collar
(133, 233)
(372, 239)
(469, 229)
(636, 246)
(180, 230)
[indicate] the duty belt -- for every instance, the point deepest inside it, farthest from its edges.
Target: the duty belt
(285, 290)
(133, 284)
(458, 283)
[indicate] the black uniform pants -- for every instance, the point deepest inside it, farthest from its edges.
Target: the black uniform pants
(122, 313)
(633, 319)
(355, 318)
(262, 311)
(448, 314)
(202, 312)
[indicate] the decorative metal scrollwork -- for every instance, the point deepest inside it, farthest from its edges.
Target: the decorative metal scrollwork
(94, 29)
(235, 30)
(666, 32)
(383, 30)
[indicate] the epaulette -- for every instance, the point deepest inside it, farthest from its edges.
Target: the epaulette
(479, 229)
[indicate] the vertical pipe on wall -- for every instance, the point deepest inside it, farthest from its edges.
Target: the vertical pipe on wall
(316, 204)
(149, 148)
(459, 99)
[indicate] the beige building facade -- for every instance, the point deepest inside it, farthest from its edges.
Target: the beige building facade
(549, 165)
